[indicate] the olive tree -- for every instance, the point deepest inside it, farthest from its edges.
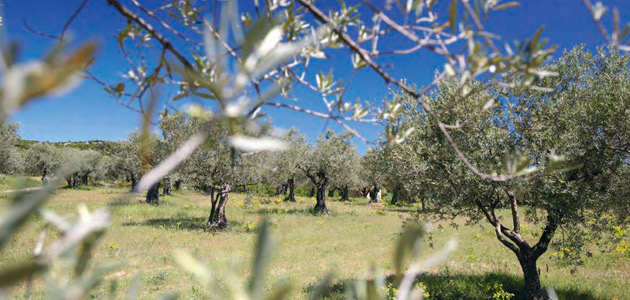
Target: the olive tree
(283, 165)
(385, 166)
(43, 159)
(125, 163)
(175, 129)
(11, 158)
(580, 117)
(332, 161)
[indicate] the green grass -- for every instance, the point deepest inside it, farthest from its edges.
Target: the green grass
(349, 242)
(18, 182)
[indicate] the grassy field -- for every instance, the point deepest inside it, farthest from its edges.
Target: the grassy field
(18, 182)
(355, 237)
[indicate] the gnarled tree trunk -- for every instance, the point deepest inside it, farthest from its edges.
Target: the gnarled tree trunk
(178, 184)
(153, 194)
(527, 255)
(312, 193)
(291, 188)
(224, 196)
(213, 211)
(533, 289)
(320, 206)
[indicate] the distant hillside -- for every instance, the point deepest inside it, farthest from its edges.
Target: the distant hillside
(104, 147)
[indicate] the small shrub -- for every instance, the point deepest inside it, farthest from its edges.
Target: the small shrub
(499, 293)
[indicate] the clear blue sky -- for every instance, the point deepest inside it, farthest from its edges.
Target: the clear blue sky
(89, 113)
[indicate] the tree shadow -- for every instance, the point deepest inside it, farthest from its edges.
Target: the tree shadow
(465, 287)
(284, 211)
(405, 210)
(187, 224)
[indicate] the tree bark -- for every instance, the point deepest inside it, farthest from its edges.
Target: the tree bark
(166, 190)
(153, 194)
(345, 193)
(213, 212)
(84, 180)
(533, 288)
(284, 188)
(221, 220)
(331, 192)
(526, 254)
(134, 182)
(312, 193)
(320, 206)
(395, 195)
(291, 188)
(178, 184)
(424, 204)
(375, 194)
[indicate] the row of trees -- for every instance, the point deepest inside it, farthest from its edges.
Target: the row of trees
(44, 159)
(331, 164)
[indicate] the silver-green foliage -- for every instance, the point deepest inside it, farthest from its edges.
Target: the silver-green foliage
(11, 158)
(573, 142)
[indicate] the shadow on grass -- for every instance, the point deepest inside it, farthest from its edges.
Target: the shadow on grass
(285, 211)
(187, 224)
(264, 211)
(466, 287)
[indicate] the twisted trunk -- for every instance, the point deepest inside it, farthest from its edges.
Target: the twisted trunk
(213, 212)
(320, 206)
(527, 255)
(533, 288)
(153, 194)
(224, 196)
(291, 188)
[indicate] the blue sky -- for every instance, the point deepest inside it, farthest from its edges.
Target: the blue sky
(89, 113)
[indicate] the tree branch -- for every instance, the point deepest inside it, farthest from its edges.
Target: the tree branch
(550, 228)
(514, 206)
(364, 55)
(146, 26)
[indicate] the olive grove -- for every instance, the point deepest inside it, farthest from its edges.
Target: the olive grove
(499, 126)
